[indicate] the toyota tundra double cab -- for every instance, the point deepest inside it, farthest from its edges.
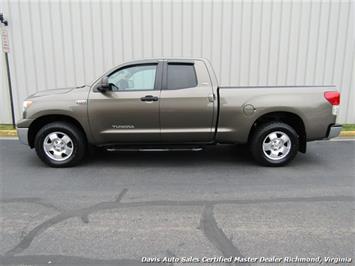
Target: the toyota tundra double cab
(175, 103)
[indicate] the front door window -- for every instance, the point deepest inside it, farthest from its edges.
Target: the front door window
(134, 78)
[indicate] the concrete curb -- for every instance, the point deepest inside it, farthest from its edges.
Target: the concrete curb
(12, 133)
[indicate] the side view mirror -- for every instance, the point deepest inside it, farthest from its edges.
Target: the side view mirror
(104, 85)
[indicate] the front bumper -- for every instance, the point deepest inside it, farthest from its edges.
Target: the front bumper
(22, 133)
(334, 131)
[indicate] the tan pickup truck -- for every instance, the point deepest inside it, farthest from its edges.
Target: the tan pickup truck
(176, 103)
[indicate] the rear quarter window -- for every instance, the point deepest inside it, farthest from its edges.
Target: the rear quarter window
(181, 76)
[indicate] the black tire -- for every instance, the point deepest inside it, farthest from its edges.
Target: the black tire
(262, 133)
(78, 143)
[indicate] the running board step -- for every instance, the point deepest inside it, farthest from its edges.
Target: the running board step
(155, 149)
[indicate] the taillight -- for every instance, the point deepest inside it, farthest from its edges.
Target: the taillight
(333, 97)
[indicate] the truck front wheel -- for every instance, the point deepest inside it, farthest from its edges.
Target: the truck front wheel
(274, 144)
(60, 144)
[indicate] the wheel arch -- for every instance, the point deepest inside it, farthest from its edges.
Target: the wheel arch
(39, 122)
(289, 118)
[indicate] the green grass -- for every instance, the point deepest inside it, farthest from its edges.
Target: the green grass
(349, 127)
(6, 127)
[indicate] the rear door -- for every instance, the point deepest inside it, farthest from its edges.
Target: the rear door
(186, 103)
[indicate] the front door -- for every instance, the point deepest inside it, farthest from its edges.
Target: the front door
(129, 111)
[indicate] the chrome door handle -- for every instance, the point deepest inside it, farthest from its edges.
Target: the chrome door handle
(149, 98)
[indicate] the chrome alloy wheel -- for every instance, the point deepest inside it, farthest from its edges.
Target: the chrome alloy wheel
(58, 146)
(276, 145)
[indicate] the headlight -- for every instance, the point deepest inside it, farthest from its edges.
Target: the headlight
(26, 104)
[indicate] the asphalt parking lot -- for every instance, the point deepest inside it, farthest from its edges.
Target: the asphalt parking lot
(118, 207)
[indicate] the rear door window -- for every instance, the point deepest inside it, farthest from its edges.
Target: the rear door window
(181, 76)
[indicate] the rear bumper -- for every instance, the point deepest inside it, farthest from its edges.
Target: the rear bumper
(22, 133)
(334, 131)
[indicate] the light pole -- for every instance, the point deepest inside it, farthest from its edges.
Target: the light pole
(5, 48)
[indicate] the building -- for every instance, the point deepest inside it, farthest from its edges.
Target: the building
(63, 43)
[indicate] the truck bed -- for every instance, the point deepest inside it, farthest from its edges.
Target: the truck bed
(241, 106)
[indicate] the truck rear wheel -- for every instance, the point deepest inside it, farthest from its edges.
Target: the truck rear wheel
(60, 144)
(274, 144)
